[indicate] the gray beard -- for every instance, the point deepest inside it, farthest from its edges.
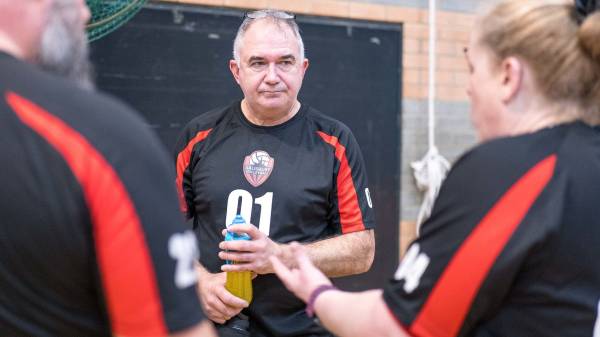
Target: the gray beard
(64, 48)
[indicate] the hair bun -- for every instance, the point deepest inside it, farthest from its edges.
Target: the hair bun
(589, 36)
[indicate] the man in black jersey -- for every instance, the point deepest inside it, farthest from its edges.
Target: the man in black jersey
(293, 172)
(85, 249)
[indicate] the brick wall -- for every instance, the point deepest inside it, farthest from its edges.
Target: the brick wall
(467, 6)
(454, 133)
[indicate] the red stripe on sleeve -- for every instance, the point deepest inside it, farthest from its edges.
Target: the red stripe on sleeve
(350, 213)
(451, 298)
(183, 161)
(126, 269)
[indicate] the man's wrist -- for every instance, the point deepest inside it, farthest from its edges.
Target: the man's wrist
(287, 256)
(275, 251)
(310, 305)
(283, 253)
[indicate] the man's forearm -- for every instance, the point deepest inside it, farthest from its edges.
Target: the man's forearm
(343, 255)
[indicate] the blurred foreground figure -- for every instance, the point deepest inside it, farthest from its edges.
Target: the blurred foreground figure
(512, 245)
(85, 249)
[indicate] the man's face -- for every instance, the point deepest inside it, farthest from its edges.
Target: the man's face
(63, 47)
(270, 70)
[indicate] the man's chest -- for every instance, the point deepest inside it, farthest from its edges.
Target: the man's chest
(272, 181)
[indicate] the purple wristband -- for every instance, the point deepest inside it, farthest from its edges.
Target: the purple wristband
(310, 305)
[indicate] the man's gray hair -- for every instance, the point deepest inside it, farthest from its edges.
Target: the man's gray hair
(277, 17)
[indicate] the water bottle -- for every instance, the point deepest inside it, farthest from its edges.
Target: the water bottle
(239, 283)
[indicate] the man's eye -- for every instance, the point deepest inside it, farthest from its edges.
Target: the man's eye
(285, 65)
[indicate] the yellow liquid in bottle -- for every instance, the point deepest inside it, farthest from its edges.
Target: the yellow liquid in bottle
(239, 283)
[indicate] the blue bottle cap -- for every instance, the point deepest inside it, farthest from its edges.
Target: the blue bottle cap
(238, 220)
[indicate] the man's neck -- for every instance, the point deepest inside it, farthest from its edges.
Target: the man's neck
(269, 118)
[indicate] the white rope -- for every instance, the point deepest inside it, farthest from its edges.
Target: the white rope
(431, 170)
(429, 174)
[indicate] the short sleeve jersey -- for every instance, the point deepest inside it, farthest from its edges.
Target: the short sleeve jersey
(512, 243)
(303, 180)
(92, 242)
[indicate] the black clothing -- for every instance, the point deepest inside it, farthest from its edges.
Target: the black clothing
(512, 243)
(303, 180)
(89, 216)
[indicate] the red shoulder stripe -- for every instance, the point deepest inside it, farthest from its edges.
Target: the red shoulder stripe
(350, 213)
(445, 310)
(183, 161)
(126, 269)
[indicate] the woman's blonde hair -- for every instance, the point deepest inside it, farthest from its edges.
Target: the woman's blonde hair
(563, 52)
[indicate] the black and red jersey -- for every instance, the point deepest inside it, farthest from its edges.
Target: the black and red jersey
(303, 180)
(512, 244)
(91, 239)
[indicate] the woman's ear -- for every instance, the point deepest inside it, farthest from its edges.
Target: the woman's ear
(511, 77)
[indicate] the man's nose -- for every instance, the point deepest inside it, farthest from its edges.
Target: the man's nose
(272, 76)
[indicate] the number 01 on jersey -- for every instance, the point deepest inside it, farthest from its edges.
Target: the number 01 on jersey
(243, 200)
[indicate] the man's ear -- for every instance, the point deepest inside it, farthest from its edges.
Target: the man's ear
(512, 73)
(235, 70)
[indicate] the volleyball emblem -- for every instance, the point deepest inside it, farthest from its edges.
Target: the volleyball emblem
(258, 167)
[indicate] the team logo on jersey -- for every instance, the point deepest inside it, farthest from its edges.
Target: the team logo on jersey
(258, 167)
